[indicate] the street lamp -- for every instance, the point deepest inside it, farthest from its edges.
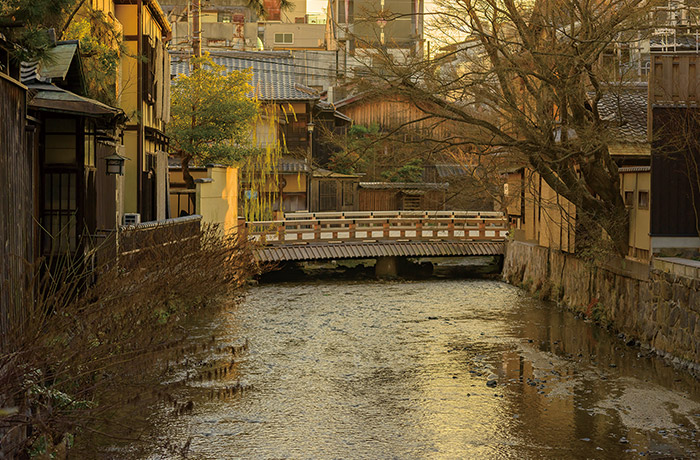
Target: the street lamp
(115, 164)
(310, 127)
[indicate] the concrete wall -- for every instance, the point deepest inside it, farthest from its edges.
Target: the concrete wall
(657, 306)
(217, 197)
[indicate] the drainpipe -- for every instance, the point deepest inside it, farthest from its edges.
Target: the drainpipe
(139, 106)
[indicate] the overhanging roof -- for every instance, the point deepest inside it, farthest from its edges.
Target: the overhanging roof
(48, 97)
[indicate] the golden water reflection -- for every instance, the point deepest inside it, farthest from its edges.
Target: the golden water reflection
(400, 370)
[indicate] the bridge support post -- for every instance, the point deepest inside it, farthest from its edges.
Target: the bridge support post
(387, 267)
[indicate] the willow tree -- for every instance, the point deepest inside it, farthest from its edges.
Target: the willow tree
(523, 78)
(212, 115)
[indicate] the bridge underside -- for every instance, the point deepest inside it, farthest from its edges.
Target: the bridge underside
(361, 250)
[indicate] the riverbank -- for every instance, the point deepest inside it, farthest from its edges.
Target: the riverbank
(656, 310)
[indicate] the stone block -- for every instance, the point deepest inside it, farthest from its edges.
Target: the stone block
(680, 294)
(665, 290)
(694, 301)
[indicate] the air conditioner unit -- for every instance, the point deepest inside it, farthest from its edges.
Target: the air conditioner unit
(132, 218)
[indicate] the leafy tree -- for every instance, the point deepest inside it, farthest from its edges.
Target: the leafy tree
(101, 49)
(409, 172)
(523, 78)
(25, 22)
(212, 116)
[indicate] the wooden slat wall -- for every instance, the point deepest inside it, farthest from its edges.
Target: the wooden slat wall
(675, 185)
(676, 80)
(391, 113)
(378, 200)
(16, 205)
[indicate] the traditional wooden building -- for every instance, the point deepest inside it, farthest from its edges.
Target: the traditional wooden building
(73, 135)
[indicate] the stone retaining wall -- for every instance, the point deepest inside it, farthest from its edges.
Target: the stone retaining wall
(658, 307)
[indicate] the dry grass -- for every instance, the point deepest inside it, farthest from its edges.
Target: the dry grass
(102, 338)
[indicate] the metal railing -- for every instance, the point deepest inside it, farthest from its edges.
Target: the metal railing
(339, 227)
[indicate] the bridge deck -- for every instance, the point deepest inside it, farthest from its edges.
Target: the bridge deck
(378, 249)
(356, 235)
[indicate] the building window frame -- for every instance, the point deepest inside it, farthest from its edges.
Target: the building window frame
(284, 38)
(643, 199)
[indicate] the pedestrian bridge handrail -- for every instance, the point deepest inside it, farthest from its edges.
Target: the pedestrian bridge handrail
(339, 227)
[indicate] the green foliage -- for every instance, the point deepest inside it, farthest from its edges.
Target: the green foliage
(361, 144)
(25, 22)
(410, 172)
(101, 50)
(212, 114)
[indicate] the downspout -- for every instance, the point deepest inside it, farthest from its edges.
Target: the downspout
(139, 105)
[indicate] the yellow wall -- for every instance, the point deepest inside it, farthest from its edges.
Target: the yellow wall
(546, 218)
(217, 201)
(127, 15)
(130, 172)
(549, 220)
(640, 218)
(129, 86)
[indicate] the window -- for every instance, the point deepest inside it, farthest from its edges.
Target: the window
(284, 39)
(328, 194)
(629, 199)
(60, 141)
(89, 151)
(643, 199)
(148, 67)
(60, 233)
(225, 17)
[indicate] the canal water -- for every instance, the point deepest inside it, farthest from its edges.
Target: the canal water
(426, 369)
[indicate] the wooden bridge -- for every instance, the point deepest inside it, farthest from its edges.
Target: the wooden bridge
(378, 234)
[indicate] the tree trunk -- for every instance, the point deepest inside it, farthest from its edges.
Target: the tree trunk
(189, 180)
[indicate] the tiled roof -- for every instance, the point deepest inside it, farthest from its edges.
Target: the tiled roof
(273, 73)
(451, 170)
(49, 97)
(292, 165)
(625, 111)
(54, 66)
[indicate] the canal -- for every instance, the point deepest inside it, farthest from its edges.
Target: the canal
(426, 369)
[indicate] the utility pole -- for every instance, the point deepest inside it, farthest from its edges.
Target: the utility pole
(196, 30)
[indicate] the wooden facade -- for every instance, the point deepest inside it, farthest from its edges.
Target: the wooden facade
(334, 192)
(393, 196)
(16, 204)
(675, 80)
(674, 121)
(675, 181)
(390, 112)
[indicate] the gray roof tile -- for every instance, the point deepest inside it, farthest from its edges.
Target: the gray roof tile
(273, 73)
(625, 111)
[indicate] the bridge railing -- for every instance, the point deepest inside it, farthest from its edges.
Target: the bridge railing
(299, 228)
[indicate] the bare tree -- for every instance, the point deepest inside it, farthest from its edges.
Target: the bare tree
(523, 79)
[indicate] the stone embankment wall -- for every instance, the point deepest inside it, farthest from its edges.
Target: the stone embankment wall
(659, 306)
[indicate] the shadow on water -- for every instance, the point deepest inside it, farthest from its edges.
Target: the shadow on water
(364, 269)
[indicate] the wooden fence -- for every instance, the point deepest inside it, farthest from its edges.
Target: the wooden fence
(16, 206)
(143, 240)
